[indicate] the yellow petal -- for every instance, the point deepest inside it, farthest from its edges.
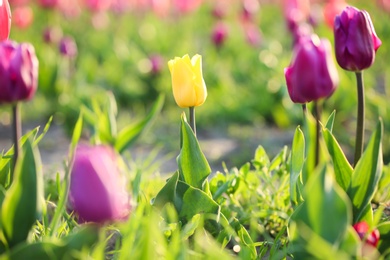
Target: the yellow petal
(182, 83)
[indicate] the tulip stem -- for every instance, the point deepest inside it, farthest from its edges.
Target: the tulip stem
(17, 133)
(192, 119)
(317, 114)
(360, 118)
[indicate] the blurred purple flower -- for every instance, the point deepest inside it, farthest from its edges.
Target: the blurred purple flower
(68, 47)
(18, 71)
(312, 74)
(97, 187)
(355, 39)
(219, 34)
(156, 62)
(49, 4)
(52, 35)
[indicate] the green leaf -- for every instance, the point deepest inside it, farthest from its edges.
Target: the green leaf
(168, 193)
(194, 201)
(55, 249)
(330, 122)
(45, 129)
(366, 175)
(5, 160)
(342, 169)
(326, 209)
(297, 161)
(78, 128)
(23, 201)
(193, 166)
(384, 231)
(128, 135)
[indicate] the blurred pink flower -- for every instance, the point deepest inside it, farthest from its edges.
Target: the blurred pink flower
(68, 47)
(252, 34)
(362, 230)
(97, 188)
(384, 4)
(52, 35)
(331, 9)
(98, 5)
(185, 6)
(5, 20)
(296, 12)
(219, 34)
(48, 3)
(23, 16)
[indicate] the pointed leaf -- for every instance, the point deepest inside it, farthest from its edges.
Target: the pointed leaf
(193, 166)
(24, 198)
(127, 136)
(330, 122)
(384, 231)
(342, 168)
(366, 175)
(168, 193)
(297, 161)
(326, 209)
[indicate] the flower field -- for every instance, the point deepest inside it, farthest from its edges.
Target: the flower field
(166, 76)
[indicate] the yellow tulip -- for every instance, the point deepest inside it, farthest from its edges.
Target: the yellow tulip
(189, 88)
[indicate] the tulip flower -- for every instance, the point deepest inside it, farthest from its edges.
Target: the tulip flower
(189, 88)
(23, 17)
(19, 81)
(356, 44)
(5, 20)
(18, 72)
(97, 190)
(355, 39)
(219, 34)
(68, 47)
(312, 74)
(362, 230)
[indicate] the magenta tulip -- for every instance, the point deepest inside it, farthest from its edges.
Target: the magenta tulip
(5, 20)
(219, 34)
(362, 230)
(312, 74)
(18, 72)
(68, 47)
(97, 187)
(355, 39)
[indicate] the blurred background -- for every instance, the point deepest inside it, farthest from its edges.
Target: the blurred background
(89, 48)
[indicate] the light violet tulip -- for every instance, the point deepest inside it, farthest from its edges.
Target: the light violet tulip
(18, 72)
(312, 74)
(97, 188)
(355, 39)
(189, 88)
(5, 20)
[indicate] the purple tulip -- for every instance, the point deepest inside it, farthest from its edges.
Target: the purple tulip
(219, 34)
(18, 71)
(68, 47)
(312, 74)
(355, 39)
(97, 187)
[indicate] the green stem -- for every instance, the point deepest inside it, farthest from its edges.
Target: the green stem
(317, 114)
(17, 133)
(192, 119)
(360, 118)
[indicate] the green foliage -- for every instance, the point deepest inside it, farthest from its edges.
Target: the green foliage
(23, 201)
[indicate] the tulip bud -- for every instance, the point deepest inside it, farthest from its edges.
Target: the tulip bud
(97, 188)
(5, 20)
(362, 229)
(219, 34)
(312, 74)
(355, 39)
(189, 88)
(68, 47)
(18, 72)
